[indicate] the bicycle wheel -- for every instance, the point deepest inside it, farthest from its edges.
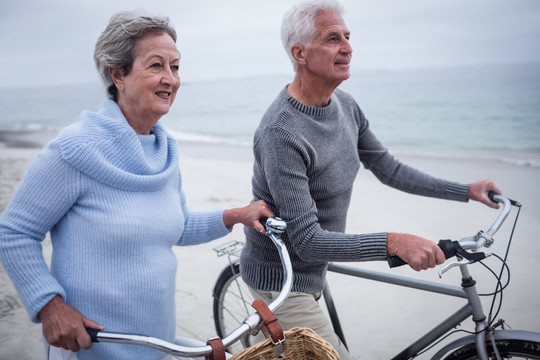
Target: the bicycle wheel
(232, 302)
(508, 349)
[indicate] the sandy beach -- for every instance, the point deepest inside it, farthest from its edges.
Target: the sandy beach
(372, 313)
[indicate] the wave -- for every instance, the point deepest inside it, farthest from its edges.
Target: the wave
(519, 158)
(38, 135)
(208, 139)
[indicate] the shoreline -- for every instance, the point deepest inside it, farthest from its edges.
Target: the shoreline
(218, 176)
(28, 138)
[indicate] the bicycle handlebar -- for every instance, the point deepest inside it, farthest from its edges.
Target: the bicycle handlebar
(473, 243)
(274, 227)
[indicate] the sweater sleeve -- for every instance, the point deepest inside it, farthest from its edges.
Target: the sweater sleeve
(200, 226)
(47, 191)
(290, 192)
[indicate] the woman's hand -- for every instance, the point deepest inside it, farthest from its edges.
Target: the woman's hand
(479, 190)
(248, 215)
(65, 327)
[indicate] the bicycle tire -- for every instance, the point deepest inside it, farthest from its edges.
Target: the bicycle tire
(508, 349)
(232, 302)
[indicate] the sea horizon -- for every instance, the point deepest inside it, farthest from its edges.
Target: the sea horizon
(489, 112)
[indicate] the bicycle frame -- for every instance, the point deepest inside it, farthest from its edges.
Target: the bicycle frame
(446, 325)
(473, 308)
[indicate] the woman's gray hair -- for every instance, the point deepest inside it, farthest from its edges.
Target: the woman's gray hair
(298, 25)
(115, 46)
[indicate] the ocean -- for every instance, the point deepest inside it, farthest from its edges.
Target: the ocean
(480, 112)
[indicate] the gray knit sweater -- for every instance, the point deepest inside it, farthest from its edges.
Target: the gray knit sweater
(306, 160)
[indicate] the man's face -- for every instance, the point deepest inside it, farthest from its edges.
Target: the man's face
(329, 54)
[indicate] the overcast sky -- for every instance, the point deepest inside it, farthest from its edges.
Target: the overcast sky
(46, 42)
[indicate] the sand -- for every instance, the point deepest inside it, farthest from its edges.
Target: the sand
(372, 313)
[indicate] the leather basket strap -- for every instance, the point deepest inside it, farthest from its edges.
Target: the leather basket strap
(218, 350)
(271, 327)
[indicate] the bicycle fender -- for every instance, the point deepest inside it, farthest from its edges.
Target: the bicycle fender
(499, 335)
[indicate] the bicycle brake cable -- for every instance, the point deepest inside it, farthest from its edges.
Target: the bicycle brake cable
(504, 264)
(502, 287)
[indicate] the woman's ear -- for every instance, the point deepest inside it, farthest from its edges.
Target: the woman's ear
(298, 53)
(117, 75)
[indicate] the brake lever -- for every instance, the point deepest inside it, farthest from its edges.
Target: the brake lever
(454, 264)
(470, 259)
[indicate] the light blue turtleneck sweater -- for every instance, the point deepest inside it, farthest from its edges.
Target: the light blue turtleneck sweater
(113, 203)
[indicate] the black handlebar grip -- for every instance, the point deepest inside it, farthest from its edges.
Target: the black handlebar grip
(491, 197)
(395, 261)
(93, 334)
(446, 246)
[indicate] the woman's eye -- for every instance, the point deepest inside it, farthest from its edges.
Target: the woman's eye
(155, 65)
(175, 68)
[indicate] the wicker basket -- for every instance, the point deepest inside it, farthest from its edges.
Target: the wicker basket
(300, 344)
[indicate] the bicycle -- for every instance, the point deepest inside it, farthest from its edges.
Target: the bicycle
(189, 348)
(489, 340)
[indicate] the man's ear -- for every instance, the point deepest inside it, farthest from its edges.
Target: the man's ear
(298, 53)
(117, 75)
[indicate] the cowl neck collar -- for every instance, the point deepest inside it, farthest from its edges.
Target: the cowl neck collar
(104, 146)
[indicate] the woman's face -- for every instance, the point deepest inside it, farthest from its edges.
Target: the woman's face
(148, 91)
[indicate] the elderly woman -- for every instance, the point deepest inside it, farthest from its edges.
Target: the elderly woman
(109, 190)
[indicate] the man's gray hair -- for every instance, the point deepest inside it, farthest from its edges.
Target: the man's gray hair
(115, 46)
(298, 25)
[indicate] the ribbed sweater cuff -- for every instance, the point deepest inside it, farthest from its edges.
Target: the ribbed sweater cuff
(458, 192)
(35, 285)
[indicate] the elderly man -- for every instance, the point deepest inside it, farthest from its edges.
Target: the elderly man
(308, 149)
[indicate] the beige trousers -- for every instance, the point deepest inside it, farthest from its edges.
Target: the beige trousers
(303, 310)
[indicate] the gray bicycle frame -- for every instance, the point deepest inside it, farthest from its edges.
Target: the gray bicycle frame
(473, 307)
(467, 291)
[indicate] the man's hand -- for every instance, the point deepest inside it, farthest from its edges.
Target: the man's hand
(64, 326)
(248, 215)
(478, 191)
(419, 253)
